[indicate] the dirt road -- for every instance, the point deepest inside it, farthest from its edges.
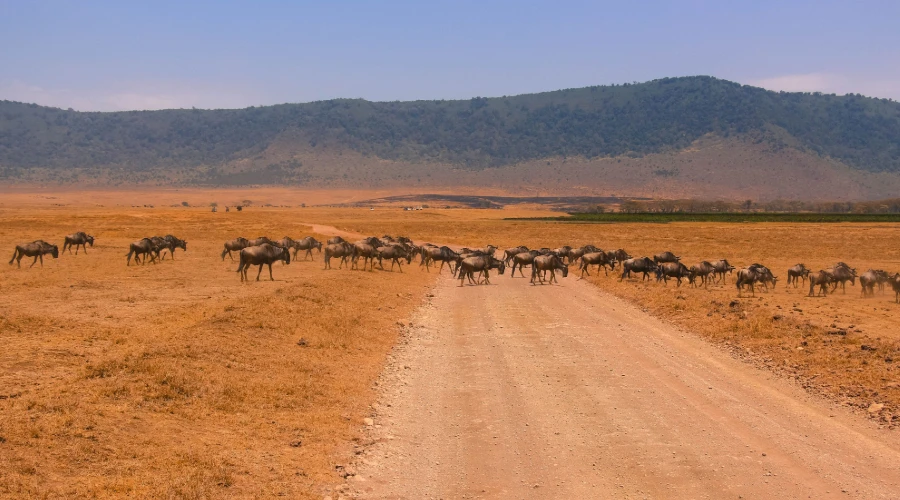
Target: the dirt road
(520, 391)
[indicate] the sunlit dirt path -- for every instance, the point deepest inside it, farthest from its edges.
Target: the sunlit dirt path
(521, 391)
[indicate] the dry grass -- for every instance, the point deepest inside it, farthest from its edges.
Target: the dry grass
(176, 380)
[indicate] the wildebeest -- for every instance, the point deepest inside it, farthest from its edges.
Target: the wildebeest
(79, 239)
(642, 265)
(665, 257)
(622, 255)
(259, 241)
(444, 255)
(481, 263)
(753, 274)
(722, 267)
(343, 250)
(821, 279)
(522, 259)
(335, 240)
(235, 245)
(599, 259)
(367, 252)
(171, 243)
(895, 285)
(394, 253)
(797, 273)
(307, 243)
(701, 270)
(677, 270)
(870, 278)
(550, 263)
(261, 255)
(145, 247)
(509, 253)
(36, 249)
(563, 253)
(841, 273)
(577, 253)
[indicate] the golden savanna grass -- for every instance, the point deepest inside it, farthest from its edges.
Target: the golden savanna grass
(175, 380)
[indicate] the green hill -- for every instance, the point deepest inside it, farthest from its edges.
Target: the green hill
(630, 120)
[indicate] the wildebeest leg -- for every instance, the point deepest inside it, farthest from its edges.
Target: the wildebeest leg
(270, 272)
(487, 277)
(35, 261)
(399, 265)
(259, 272)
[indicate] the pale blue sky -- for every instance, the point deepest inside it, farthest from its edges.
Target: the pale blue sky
(150, 55)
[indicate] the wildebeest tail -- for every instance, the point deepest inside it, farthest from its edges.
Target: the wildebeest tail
(15, 252)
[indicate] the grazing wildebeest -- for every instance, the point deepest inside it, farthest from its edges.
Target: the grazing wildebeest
(36, 249)
(841, 273)
(677, 270)
(343, 250)
(665, 257)
(543, 263)
(482, 263)
(702, 270)
(521, 260)
(444, 254)
(870, 278)
(821, 279)
(722, 268)
(145, 247)
(642, 265)
(235, 245)
(753, 274)
(509, 253)
(599, 259)
(797, 273)
(307, 243)
(395, 253)
(261, 255)
(79, 239)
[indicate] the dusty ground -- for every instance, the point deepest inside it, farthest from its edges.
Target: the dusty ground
(176, 380)
(514, 391)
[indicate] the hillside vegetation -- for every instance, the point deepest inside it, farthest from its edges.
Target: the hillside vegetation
(631, 120)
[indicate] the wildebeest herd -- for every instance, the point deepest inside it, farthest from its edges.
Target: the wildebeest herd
(475, 265)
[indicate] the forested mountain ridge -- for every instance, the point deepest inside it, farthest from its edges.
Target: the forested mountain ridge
(631, 120)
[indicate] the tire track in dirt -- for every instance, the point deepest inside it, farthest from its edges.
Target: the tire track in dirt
(520, 391)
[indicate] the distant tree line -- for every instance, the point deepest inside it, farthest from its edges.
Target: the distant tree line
(887, 206)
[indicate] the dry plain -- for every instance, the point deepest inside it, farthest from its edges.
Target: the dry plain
(177, 380)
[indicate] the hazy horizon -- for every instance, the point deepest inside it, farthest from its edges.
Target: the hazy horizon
(110, 56)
